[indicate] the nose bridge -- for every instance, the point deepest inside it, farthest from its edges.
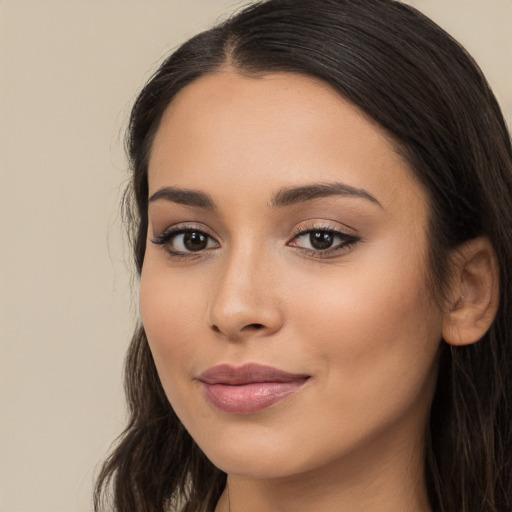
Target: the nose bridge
(244, 303)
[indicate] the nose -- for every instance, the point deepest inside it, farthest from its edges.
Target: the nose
(245, 302)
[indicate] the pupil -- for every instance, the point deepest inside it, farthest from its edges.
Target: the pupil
(321, 239)
(194, 241)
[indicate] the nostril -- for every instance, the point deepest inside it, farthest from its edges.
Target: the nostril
(245, 328)
(253, 327)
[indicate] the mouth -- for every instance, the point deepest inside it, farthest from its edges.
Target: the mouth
(249, 388)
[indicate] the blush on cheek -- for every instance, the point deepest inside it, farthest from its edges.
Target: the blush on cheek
(369, 318)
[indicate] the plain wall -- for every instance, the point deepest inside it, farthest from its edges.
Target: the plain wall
(69, 71)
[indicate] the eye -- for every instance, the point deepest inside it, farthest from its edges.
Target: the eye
(184, 241)
(323, 241)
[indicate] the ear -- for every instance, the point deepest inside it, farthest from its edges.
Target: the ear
(475, 292)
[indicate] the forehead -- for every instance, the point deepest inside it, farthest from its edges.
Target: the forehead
(282, 129)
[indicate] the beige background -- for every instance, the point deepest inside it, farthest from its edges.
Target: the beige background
(69, 71)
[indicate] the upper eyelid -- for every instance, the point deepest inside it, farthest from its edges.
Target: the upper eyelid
(345, 232)
(184, 226)
(324, 226)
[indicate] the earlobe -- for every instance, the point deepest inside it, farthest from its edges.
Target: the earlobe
(475, 292)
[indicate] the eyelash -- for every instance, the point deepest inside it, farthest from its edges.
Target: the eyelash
(166, 238)
(347, 240)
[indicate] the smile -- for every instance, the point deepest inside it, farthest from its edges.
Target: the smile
(249, 388)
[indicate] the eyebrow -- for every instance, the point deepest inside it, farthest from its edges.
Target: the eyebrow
(184, 196)
(284, 197)
(291, 196)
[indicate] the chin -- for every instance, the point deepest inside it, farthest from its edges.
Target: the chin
(248, 450)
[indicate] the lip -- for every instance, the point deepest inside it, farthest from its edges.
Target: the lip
(249, 388)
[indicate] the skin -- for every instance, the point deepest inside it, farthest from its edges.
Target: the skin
(360, 321)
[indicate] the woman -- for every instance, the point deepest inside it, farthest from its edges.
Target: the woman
(321, 221)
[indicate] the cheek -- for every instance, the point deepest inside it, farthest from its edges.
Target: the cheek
(374, 327)
(171, 319)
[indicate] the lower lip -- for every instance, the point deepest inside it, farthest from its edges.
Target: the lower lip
(250, 398)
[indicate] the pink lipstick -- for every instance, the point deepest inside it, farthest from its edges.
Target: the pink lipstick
(249, 388)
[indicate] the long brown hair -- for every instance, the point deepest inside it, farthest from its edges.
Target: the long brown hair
(424, 89)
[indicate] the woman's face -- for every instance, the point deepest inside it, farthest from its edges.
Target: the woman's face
(286, 232)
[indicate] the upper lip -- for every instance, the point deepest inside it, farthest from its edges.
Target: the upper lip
(247, 374)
